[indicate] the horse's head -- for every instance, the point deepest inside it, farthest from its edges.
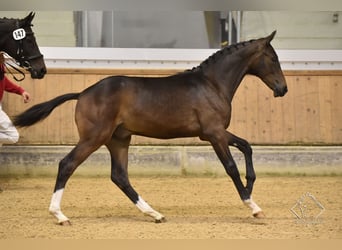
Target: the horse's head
(266, 66)
(19, 42)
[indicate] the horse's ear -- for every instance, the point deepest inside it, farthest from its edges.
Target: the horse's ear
(270, 37)
(27, 20)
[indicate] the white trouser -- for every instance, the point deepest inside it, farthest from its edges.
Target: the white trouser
(8, 133)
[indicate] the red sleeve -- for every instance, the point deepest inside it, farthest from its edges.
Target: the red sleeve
(11, 87)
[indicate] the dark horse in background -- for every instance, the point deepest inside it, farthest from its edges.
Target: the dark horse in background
(18, 41)
(193, 103)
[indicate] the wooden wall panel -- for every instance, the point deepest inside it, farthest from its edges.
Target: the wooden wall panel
(251, 108)
(325, 111)
(311, 112)
(289, 112)
(336, 109)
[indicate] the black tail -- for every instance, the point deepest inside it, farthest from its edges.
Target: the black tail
(40, 111)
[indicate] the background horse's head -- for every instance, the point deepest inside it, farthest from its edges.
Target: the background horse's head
(17, 40)
(267, 67)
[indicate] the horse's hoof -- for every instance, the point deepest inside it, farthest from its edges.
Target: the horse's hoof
(259, 215)
(160, 220)
(65, 223)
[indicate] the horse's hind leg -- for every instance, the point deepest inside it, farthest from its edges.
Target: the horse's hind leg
(66, 168)
(119, 156)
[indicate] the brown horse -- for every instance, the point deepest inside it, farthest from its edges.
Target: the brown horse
(193, 103)
(17, 40)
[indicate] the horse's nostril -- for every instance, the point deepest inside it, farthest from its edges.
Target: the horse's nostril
(41, 73)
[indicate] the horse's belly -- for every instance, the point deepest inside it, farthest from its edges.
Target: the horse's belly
(165, 129)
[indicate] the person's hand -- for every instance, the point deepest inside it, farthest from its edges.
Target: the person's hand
(26, 96)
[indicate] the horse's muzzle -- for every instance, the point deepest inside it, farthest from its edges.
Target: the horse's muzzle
(280, 91)
(38, 74)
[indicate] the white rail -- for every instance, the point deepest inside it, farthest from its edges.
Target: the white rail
(71, 57)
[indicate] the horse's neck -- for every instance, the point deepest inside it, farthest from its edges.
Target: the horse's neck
(229, 76)
(5, 28)
(2, 44)
(2, 40)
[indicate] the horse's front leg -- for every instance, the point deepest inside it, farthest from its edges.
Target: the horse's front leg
(246, 149)
(222, 150)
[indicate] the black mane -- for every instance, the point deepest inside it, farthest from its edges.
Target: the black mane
(220, 53)
(7, 24)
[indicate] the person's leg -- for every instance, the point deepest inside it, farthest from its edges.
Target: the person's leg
(8, 133)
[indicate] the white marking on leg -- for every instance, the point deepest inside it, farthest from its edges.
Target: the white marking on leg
(55, 206)
(252, 205)
(146, 209)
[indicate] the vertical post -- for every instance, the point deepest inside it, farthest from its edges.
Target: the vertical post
(230, 27)
(238, 26)
(85, 28)
(112, 28)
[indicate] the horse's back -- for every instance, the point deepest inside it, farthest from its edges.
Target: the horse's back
(178, 87)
